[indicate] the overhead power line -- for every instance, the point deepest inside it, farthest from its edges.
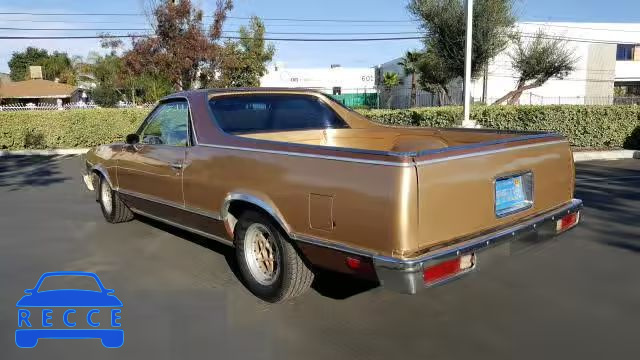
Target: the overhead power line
(578, 27)
(326, 20)
(228, 17)
(574, 39)
(223, 37)
(417, 37)
(72, 29)
(70, 14)
(227, 31)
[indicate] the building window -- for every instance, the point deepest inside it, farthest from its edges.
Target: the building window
(624, 52)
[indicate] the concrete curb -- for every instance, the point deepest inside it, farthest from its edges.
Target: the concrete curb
(578, 156)
(44, 152)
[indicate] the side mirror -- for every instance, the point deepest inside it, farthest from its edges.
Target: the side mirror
(132, 139)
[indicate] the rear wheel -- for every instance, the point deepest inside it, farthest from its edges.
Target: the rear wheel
(113, 209)
(270, 266)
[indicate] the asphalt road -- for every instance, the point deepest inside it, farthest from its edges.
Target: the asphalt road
(577, 297)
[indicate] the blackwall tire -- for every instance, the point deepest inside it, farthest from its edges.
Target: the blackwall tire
(258, 239)
(113, 209)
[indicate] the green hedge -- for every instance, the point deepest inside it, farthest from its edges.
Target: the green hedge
(66, 129)
(611, 126)
(593, 126)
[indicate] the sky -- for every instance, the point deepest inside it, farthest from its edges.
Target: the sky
(292, 54)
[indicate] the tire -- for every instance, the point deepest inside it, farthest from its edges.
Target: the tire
(289, 275)
(113, 209)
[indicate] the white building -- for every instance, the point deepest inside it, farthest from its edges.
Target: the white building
(332, 80)
(608, 58)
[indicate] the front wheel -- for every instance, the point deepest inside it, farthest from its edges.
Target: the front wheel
(270, 266)
(113, 209)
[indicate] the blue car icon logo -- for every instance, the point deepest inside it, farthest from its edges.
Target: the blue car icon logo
(101, 321)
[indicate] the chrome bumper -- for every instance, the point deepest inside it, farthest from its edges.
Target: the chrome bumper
(406, 275)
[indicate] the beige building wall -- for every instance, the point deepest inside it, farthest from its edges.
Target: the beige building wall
(601, 73)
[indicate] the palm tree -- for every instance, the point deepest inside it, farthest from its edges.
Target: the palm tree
(410, 66)
(390, 80)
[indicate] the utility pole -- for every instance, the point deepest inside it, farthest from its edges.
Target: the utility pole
(485, 80)
(467, 64)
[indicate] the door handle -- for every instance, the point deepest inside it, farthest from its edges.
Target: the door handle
(176, 165)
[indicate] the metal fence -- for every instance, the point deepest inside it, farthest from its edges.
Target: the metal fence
(45, 106)
(533, 99)
(75, 106)
(401, 98)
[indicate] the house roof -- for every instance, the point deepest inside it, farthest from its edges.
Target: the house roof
(36, 88)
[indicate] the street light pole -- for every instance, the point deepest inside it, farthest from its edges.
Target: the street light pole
(467, 64)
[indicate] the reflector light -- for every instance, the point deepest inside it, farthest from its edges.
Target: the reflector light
(353, 263)
(447, 268)
(567, 222)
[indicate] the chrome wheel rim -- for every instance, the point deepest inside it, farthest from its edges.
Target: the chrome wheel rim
(262, 254)
(105, 197)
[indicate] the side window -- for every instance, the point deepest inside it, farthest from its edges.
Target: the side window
(258, 113)
(168, 125)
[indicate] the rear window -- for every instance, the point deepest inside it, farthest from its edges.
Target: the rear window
(261, 113)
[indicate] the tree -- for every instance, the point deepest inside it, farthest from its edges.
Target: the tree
(536, 61)
(390, 80)
(180, 50)
(105, 95)
(435, 76)
(444, 24)
(57, 65)
(20, 62)
(244, 62)
(410, 66)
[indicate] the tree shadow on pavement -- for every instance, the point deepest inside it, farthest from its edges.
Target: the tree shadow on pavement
(22, 171)
(611, 195)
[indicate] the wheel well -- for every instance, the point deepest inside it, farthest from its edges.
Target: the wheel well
(238, 207)
(95, 180)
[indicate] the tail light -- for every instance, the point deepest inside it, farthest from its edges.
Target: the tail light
(353, 263)
(567, 222)
(448, 269)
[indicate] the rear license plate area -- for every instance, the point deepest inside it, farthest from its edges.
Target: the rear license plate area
(513, 194)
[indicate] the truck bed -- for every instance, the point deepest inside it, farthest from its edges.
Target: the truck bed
(455, 172)
(386, 139)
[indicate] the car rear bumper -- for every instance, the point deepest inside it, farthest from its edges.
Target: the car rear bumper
(408, 275)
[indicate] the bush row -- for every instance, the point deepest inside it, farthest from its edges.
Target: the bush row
(593, 126)
(612, 126)
(66, 129)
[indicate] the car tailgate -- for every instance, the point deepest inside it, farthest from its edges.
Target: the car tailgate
(456, 191)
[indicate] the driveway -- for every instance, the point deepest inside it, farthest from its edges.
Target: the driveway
(577, 297)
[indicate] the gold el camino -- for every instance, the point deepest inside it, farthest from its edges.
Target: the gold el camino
(297, 182)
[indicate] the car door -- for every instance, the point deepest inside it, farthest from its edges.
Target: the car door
(152, 169)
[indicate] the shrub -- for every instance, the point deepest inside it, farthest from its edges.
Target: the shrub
(66, 129)
(605, 126)
(633, 140)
